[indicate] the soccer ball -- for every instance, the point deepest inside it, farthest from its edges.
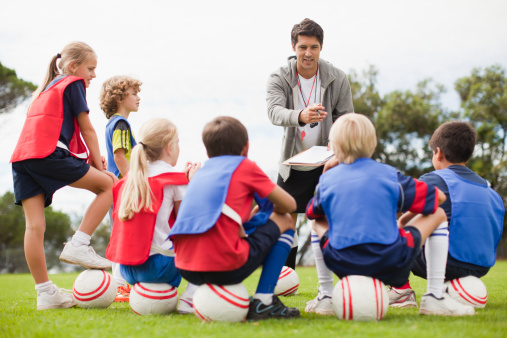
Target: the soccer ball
(468, 290)
(153, 298)
(288, 282)
(221, 303)
(94, 289)
(360, 298)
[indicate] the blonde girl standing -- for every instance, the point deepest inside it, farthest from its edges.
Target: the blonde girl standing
(51, 154)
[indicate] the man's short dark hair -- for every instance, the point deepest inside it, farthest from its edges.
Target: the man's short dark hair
(307, 27)
(224, 135)
(456, 140)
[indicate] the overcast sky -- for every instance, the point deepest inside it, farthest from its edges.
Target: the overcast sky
(201, 59)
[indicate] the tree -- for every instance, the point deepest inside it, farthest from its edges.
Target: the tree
(12, 232)
(13, 90)
(404, 120)
(484, 104)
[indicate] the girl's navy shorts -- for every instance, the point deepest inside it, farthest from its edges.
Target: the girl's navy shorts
(46, 175)
(389, 263)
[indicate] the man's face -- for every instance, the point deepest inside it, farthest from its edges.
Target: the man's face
(307, 52)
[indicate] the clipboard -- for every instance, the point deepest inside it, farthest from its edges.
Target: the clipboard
(315, 156)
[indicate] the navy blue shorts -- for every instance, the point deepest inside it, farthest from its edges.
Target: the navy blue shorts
(261, 241)
(389, 263)
(156, 269)
(46, 175)
(301, 185)
(454, 269)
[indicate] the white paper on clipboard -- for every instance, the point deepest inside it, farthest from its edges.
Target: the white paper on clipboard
(314, 156)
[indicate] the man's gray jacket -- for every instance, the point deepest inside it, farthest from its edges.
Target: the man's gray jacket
(282, 97)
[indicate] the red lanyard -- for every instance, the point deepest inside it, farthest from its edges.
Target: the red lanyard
(313, 84)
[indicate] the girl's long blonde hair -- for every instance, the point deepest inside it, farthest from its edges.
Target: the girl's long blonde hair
(77, 52)
(155, 135)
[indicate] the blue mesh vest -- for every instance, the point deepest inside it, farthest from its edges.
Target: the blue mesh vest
(477, 213)
(360, 201)
(111, 166)
(205, 196)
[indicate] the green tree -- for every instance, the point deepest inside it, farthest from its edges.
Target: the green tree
(12, 231)
(405, 120)
(13, 90)
(484, 104)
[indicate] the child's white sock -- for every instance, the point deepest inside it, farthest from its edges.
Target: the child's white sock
(45, 287)
(435, 250)
(120, 281)
(265, 298)
(80, 238)
(190, 290)
(324, 274)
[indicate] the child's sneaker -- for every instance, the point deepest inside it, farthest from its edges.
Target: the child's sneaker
(259, 311)
(122, 293)
(445, 306)
(402, 298)
(320, 305)
(58, 300)
(84, 255)
(185, 306)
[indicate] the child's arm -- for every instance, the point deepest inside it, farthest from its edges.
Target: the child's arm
(90, 138)
(331, 163)
(121, 161)
(190, 169)
(282, 201)
(409, 215)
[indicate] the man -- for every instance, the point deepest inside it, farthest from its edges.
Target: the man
(306, 97)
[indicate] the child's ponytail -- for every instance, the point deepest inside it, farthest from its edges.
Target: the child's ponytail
(136, 194)
(155, 135)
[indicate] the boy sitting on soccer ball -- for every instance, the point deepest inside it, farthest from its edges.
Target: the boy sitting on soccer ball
(355, 207)
(475, 213)
(209, 238)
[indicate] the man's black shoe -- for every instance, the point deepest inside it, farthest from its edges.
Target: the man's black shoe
(259, 311)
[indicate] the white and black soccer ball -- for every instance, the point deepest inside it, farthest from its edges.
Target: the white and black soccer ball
(153, 298)
(221, 303)
(288, 282)
(360, 298)
(94, 289)
(468, 290)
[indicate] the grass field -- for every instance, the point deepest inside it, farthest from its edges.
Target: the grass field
(19, 317)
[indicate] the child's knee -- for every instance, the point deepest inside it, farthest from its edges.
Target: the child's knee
(283, 221)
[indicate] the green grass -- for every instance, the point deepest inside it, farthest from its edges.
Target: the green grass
(19, 318)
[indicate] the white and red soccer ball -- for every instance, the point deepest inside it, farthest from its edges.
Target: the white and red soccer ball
(468, 290)
(153, 298)
(360, 298)
(222, 303)
(288, 282)
(94, 289)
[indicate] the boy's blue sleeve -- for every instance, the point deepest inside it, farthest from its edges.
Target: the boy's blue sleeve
(314, 208)
(416, 196)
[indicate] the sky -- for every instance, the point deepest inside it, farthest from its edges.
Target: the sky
(201, 59)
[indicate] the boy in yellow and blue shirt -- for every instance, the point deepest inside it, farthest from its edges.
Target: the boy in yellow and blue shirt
(118, 98)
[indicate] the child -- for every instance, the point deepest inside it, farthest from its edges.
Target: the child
(146, 202)
(355, 208)
(209, 239)
(118, 98)
(474, 212)
(49, 155)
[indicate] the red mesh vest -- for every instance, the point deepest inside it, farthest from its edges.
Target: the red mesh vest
(131, 240)
(43, 125)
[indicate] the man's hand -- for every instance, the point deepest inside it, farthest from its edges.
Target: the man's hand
(312, 114)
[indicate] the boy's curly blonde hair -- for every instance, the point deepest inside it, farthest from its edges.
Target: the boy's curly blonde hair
(114, 90)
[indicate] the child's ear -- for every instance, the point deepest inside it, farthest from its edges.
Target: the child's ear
(244, 152)
(71, 67)
(439, 154)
